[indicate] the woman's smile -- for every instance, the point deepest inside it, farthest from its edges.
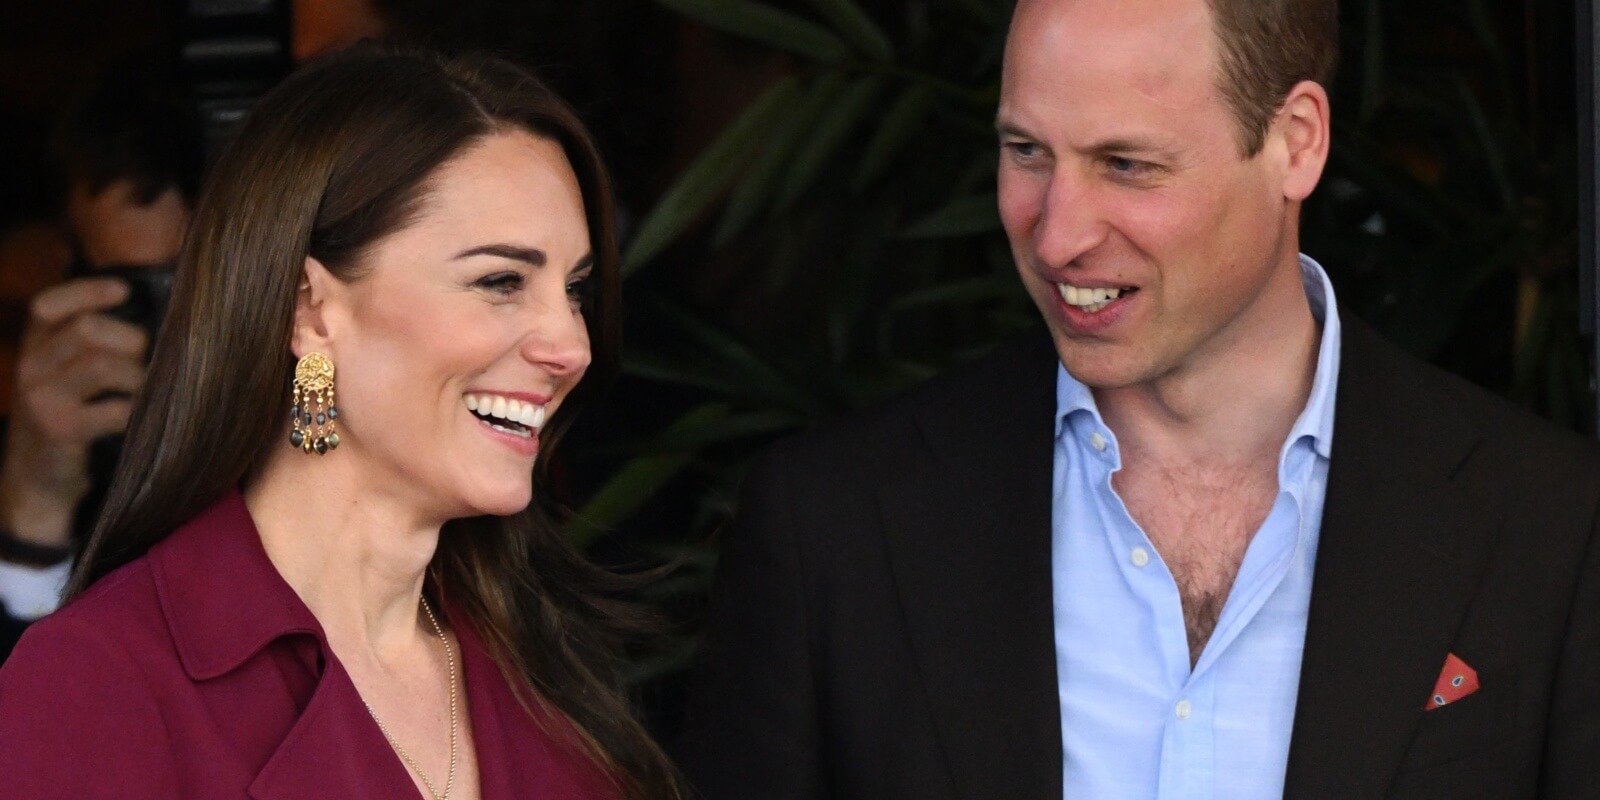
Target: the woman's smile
(512, 419)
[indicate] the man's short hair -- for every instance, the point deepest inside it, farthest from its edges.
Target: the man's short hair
(1268, 46)
(130, 124)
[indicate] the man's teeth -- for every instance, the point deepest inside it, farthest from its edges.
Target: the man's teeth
(1090, 300)
(506, 408)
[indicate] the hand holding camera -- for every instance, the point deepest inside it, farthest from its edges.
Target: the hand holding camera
(77, 371)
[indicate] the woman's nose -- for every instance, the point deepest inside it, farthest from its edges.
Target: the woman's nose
(558, 341)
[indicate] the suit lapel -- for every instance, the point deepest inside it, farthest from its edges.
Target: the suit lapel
(968, 528)
(1399, 554)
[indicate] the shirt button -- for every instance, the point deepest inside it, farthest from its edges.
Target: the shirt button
(1097, 441)
(1140, 556)
(1184, 709)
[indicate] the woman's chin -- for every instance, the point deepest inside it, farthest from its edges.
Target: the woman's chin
(501, 503)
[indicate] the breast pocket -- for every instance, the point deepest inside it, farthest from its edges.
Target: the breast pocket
(1477, 722)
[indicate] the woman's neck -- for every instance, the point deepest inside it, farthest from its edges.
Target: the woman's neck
(356, 557)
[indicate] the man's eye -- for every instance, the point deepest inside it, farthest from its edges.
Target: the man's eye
(1127, 167)
(502, 282)
(1022, 150)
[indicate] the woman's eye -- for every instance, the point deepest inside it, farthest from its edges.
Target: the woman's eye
(502, 282)
(581, 290)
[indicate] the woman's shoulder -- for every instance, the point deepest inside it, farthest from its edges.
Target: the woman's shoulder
(112, 635)
(121, 608)
(79, 690)
(101, 635)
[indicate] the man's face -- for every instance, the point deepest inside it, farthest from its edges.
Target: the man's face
(1121, 174)
(112, 228)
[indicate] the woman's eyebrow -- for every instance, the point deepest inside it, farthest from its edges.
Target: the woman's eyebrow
(533, 256)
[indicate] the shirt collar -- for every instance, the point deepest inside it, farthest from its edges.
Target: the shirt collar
(223, 599)
(1315, 421)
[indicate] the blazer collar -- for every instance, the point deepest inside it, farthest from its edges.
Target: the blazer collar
(1400, 550)
(225, 602)
(967, 524)
(223, 599)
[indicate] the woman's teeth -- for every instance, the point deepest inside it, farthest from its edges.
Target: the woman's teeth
(1090, 300)
(506, 414)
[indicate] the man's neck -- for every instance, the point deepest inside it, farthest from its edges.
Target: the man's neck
(1232, 404)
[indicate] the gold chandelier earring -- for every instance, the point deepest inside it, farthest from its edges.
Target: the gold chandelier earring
(313, 412)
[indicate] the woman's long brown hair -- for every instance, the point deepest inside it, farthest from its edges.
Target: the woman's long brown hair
(332, 160)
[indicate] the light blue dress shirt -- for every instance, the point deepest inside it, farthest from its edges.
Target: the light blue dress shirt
(1136, 721)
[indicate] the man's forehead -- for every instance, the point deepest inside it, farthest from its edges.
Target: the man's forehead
(1154, 47)
(1109, 64)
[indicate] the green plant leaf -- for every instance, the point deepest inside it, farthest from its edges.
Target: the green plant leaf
(638, 481)
(903, 119)
(684, 372)
(1494, 153)
(1372, 67)
(741, 366)
(963, 216)
(984, 12)
(853, 23)
(763, 23)
(829, 134)
(760, 180)
(749, 425)
(671, 661)
(706, 178)
(984, 288)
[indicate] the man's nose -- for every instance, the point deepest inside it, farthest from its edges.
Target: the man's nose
(1070, 222)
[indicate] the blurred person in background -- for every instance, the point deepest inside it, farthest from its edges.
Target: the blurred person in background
(293, 594)
(130, 163)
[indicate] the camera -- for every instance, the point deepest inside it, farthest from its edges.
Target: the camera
(149, 290)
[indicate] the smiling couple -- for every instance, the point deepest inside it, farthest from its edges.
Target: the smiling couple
(1206, 539)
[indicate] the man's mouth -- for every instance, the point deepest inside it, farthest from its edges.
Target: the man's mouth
(1092, 299)
(506, 414)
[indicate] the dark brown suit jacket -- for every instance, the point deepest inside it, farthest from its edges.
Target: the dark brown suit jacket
(882, 627)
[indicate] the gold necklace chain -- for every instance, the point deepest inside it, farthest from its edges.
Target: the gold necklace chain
(450, 661)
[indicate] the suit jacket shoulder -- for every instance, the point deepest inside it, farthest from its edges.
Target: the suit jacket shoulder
(1436, 420)
(1455, 525)
(1010, 387)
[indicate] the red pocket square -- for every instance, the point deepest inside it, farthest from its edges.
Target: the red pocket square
(1456, 681)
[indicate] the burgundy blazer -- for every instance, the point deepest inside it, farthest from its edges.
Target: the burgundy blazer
(197, 672)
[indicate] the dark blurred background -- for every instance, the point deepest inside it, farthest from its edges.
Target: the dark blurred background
(807, 190)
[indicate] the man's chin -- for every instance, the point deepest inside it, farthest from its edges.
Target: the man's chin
(1101, 365)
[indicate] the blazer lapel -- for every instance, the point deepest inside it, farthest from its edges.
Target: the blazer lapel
(968, 530)
(1401, 549)
(334, 750)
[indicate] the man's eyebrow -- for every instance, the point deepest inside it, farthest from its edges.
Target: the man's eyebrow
(532, 256)
(1005, 128)
(1130, 146)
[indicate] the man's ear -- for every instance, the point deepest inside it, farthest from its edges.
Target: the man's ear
(1301, 129)
(312, 303)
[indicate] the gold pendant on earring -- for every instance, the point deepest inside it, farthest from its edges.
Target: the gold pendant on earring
(313, 412)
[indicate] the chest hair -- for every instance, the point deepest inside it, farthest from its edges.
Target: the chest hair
(1201, 521)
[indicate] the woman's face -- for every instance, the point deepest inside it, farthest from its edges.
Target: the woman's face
(464, 331)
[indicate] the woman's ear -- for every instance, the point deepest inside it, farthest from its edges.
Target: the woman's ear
(317, 287)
